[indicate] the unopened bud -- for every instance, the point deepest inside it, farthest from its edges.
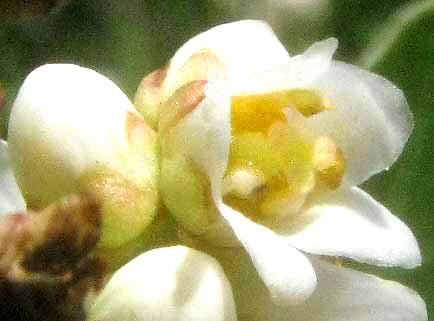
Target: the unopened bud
(73, 130)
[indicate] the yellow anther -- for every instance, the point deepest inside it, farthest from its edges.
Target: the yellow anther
(305, 101)
(329, 162)
(259, 112)
(256, 113)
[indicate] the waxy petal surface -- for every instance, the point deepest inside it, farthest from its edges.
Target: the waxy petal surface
(371, 122)
(342, 294)
(351, 223)
(167, 284)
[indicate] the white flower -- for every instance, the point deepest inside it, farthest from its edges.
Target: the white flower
(73, 130)
(269, 148)
(167, 284)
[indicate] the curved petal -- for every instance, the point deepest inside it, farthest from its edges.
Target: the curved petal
(351, 223)
(64, 120)
(248, 47)
(73, 130)
(204, 134)
(298, 72)
(371, 122)
(11, 199)
(287, 273)
(166, 284)
(342, 295)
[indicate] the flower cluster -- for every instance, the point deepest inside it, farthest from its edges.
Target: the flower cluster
(255, 154)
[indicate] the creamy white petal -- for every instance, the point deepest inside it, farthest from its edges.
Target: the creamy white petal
(371, 122)
(248, 47)
(342, 295)
(287, 273)
(167, 284)
(11, 199)
(72, 130)
(300, 71)
(65, 119)
(351, 223)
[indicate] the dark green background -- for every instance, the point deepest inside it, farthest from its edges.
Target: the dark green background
(126, 40)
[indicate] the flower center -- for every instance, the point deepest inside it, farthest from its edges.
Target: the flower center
(272, 167)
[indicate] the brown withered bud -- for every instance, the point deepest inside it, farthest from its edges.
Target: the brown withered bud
(47, 271)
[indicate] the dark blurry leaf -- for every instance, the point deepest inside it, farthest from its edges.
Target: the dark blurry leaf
(2, 97)
(355, 21)
(393, 30)
(403, 52)
(30, 7)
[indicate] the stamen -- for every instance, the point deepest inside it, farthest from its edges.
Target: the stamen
(329, 162)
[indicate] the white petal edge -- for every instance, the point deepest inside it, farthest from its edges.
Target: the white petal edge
(11, 200)
(166, 284)
(300, 71)
(342, 294)
(371, 122)
(287, 273)
(248, 46)
(351, 223)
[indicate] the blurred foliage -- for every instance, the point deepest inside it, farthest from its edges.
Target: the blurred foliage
(126, 40)
(30, 7)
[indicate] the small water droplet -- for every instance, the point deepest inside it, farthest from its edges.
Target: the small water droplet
(250, 163)
(387, 169)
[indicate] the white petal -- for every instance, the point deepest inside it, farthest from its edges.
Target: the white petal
(298, 72)
(65, 119)
(204, 135)
(249, 47)
(286, 272)
(351, 223)
(342, 295)
(73, 130)
(11, 199)
(358, 296)
(167, 284)
(371, 122)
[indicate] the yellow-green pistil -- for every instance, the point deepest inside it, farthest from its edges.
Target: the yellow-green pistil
(272, 168)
